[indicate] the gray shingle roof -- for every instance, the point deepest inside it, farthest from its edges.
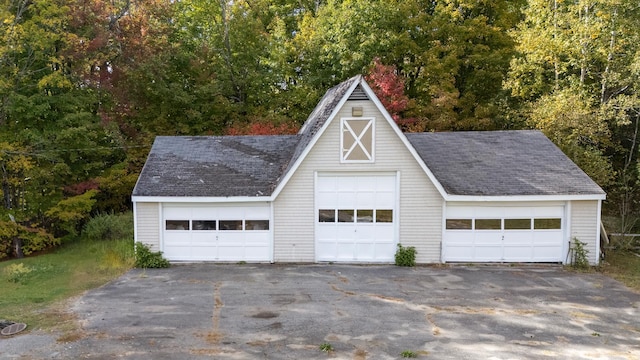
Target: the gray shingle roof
(501, 163)
(320, 115)
(216, 166)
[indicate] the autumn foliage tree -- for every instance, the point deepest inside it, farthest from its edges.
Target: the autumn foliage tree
(389, 87)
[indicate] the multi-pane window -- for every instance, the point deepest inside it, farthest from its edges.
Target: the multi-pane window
(507, 224)
(217, 225)
(355, 215)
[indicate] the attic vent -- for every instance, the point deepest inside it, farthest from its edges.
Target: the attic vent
(358, 94)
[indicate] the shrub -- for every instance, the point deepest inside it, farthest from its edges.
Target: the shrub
(406, 256)
(17, 273)
(580, 260)
(109, 227)
(145, 258)
(33, 239)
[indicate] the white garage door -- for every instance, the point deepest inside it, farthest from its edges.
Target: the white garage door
(504, 234)
(356, 218)
(216, 233)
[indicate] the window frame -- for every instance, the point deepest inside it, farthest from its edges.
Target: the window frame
(369, 127)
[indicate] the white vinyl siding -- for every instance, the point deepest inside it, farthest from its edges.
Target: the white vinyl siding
(419, 213)
(148, 224)
(584, 226)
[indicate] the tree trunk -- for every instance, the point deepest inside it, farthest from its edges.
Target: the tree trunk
(17, 247)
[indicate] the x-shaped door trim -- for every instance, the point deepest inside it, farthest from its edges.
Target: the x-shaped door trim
(357, 139)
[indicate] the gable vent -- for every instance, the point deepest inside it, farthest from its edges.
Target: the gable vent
(358, 94)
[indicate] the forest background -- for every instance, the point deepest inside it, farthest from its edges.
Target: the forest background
(86, 85)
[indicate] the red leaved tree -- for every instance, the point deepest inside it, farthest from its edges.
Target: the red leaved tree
(262, 127)
(389, 87)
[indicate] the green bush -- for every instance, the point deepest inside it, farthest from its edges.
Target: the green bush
(33, 239)
(17, 273)
(580, 259)
(406, 256)
(109, 227)
(145, 258)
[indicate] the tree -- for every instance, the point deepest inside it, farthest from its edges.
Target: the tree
(389, 87)
(576, 69)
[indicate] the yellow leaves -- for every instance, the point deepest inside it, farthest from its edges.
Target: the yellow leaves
(14, 163)
(74, 208)
(55, 80)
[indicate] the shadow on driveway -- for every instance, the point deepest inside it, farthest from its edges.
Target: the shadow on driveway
(204, 311)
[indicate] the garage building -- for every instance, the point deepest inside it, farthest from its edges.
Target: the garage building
(350, 186)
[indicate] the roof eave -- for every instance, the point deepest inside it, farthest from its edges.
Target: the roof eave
(514, 198)
(200, 199)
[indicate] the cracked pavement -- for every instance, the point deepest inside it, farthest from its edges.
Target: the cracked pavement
(204, 311)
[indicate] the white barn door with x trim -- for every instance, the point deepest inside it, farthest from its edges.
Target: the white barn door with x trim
(357, 140)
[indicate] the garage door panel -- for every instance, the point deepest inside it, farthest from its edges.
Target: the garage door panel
(518, 253)
(513, 237)
(486, 252)
(483, 238)
(385, 200)
(346, 183)
(460, 238)
(253, 253)
(230, 253)
(459, 253)
(548, 211)
(362, 196)
(513, 240)
(366, 233)
(366, 200)
(549, 253)
(205, 241)
(385, 251)
(346, 251)
(365, 250)
(346, 200)
(326, 250)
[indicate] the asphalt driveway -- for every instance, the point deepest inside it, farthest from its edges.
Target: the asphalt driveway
(204, 311)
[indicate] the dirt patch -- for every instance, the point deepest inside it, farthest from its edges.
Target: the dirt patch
(359, 354)
(350, 293)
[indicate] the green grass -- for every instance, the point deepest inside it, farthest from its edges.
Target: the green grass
(35, 289)
(623, 266)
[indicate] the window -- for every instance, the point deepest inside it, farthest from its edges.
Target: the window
(364, 216)
(459, 224)
(547, 224)
(327, 215)
(230, 224)
(345, 215)
(384, 216)
(517, 224)
(204, 225)
(256, 225)
(488, 224)
(177, 225)
(357, 140)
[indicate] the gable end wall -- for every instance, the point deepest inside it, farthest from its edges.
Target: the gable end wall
(420, 210)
